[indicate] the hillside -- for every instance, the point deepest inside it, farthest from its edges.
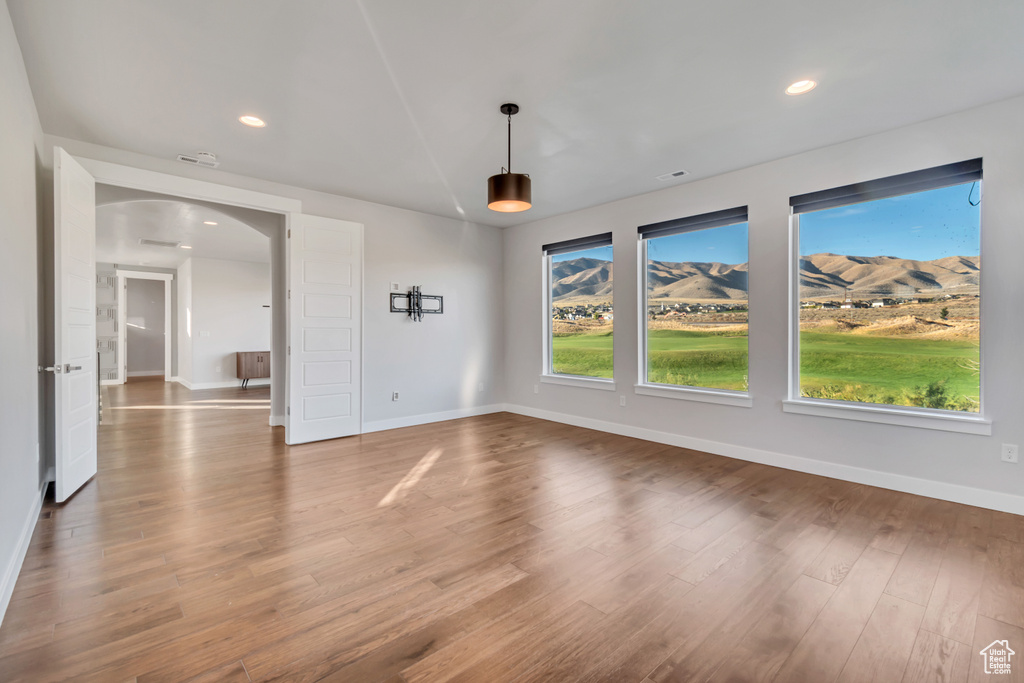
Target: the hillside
(821, 275)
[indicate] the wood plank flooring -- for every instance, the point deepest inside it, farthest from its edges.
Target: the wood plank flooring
(490, 549)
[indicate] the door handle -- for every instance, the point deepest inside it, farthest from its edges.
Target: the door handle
(55, 369)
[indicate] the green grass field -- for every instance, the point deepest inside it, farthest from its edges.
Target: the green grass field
(910, 371)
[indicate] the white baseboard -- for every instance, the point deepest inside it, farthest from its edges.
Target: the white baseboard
(146, 373)
(109, 382)
(13, 568)
(427, 418)
(182, 381)
(277, 420)
(955, 493)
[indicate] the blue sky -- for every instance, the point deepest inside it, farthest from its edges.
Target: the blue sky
(923, 226)
(601, 253)
(727, 244)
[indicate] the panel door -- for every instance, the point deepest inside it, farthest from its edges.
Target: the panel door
(325, 310)
(75, 374)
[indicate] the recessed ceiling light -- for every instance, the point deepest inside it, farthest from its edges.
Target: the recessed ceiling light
(252, 121)
(800, 87)
(185, 246)
(209, 222)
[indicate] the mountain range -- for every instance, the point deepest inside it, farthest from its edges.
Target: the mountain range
(821, 275)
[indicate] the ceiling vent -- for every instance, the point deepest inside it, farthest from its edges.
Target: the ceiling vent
(671, 176)
(159, 243)
(207, 159)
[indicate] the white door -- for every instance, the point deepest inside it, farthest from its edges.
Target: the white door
(325, 280)
(75, 371)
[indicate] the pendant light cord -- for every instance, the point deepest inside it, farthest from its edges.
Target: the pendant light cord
(510, 143)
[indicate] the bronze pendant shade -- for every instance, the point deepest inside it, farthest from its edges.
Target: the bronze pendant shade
(509, 192)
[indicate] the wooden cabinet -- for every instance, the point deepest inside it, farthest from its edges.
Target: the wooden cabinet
(252, 365)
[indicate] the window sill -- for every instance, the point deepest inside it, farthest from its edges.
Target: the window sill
(904, 417)
(722, 397)
(578, 381)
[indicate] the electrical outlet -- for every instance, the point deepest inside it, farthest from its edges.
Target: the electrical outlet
(536, 388)
(480, 387)
(217, 369)
(204, 333)
(394, 395)
(622, 401)
(1011, 452)
(38, 454)
(395, 287)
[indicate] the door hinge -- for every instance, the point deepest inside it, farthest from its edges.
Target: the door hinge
(289, 232)
(288, 410)
(289, 350)
(289, 294)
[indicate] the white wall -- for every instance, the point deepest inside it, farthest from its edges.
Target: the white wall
(144, 314)
(185, 329)
(22, 190)
(958, 466)
(437, 365)
(228, 315)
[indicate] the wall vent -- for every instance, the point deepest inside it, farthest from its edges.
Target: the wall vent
(672, 176)
(206, 159)
(159, 243)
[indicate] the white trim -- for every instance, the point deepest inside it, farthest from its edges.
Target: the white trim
(147, 373)
(578, 381)
(641, 307)
(721, 396)
(793, 345)
(992, 500)
(946, 421)
(182, 381)
(144, 275)
(109, 382)
(276, 421)
(546, 346)
(427, 418)
(13, 567)
(153, 181)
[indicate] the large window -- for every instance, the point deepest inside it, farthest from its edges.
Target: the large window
(579, 295)
(889, 276)
(695, 280)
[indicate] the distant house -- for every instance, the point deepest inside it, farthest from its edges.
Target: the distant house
(878, 303)
(831, 306)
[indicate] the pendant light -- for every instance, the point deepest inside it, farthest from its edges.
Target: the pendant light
(509, 192)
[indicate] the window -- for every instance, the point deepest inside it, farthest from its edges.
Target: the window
(695, 284)
(579, 298)
(889, 275)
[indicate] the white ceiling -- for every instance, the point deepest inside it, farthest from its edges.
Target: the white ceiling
(396, 101)
(123, 217)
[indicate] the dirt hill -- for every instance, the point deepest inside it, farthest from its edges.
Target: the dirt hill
(821, 275)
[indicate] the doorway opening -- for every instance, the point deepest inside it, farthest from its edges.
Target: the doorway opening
(216, 265)
(144, 308)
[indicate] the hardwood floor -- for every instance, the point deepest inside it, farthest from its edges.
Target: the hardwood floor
(496, 548)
